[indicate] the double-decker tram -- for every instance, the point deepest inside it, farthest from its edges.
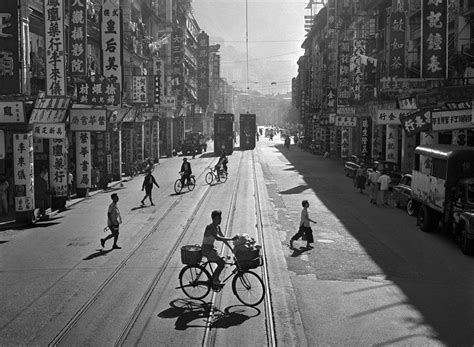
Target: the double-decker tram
(248, 129)
(223, 133)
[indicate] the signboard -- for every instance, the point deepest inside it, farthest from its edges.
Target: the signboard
(55, 51)
(49, 130)
(385, 117)
(98, 90)
(452, 94)
(49, 110)
(23, 172)
(451, 120)
(345, 142)
(111, 40)
(88, 119)
(345, 110)
(391, 143)
(203, 70)
(358, 50)
(12, 112)
(434, 33)
(343, 83)
(177, 56)
(331, 98)
(9, 52)
(169, 101)
(83, 160)
(77, 38)
(58, 167)
(407, 103)
(397, 34)
(158, 80)
(395, 84)
(365, 136)
(139, 90)
(346, 121)
(416, 122)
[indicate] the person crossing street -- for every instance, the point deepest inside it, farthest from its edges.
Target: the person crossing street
(147, 185)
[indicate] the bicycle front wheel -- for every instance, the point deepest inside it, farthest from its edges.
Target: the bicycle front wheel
(191, 183)
(223, 176)
(195, 281)
(209, 177)
(248, 287)
(178, 186)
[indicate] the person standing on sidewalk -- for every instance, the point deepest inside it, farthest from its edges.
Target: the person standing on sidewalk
(305, 228)
(113, 221)
(148, 183)
(384, 181)
(373, 190)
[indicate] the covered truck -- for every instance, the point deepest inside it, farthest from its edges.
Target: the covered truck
(443, 191)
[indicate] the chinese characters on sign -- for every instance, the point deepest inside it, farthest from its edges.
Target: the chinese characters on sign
(111, 41)
(358, 50)
(391, 143)
(9, 58)
(434, 21)
(49, 130)
(88, 119)
(345, 141)
(159, 80)
(54, 41)
(12, 112)
(78, 38)
(398, 24)
(344, 84)
(346, 121)
(23, 172)
(49, 110)
(177, 56)
(83, 160)
(203, 70)
(416, 122)
(98, 90)
(58, 167)
(385, 117)
(365, 136)
(331, 99)
(451, 120)
(139, 90)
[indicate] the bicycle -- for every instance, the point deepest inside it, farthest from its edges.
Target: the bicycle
(220, 176)
(196, 281)
(178, 186)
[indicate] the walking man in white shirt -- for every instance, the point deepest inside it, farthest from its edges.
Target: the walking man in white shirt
(384, 181)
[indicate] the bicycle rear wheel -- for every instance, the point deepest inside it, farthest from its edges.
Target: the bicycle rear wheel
(209, 177)
(195, 281)
(191, 183)
(178, 186)
(248, 287)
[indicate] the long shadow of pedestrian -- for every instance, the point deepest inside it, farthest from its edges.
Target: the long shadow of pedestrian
(299, 251)
(138, 207)
(99, 253)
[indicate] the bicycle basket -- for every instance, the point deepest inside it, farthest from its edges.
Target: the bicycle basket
(250, 264)
(191, 254)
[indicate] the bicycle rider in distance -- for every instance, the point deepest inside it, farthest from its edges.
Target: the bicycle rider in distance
(186, 171)
(212, 233)
(222, 163)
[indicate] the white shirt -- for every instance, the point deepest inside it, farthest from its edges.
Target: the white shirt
(304, 218)
(384, 181)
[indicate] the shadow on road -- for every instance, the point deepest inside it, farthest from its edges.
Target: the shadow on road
(99, 253)
(139, 207)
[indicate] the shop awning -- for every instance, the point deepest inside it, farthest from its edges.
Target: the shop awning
(50, 110)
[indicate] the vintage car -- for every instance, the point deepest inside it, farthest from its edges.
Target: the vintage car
(392, 170)
(402, 195)
(353, 163)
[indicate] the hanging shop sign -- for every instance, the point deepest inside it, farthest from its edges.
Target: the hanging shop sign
(365, 126)
(111, 40)
(83, 119)
(434, 33)
(343, 110)
(139, 95)
(58, 167)
(343, 83)
(451, 120)
(331, 98)
(416, 122)
(49, 130)
(395, 84)
(12, 112)
(453, 94)
(169, 101)
(397, 37)
(462, 105)
(345, 142)
(203, 70)
(158, 80)
(385, 117)
(55, 48)
(9, 43)
(177, 56)
(23, 172)
(407, 103)
(77, 38)
(83, 159)
(345, 121)
(358, 50)
(99, 90)
(49, 110)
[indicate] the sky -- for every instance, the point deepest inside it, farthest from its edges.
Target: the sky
(275, 34)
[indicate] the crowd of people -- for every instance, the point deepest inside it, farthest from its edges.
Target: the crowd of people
(377, 182)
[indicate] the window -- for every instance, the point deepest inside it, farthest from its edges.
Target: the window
(439, 168)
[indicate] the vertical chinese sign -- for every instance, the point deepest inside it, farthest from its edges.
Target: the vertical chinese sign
(83, 159)
(365, 126)
(58, 167)
(78, 38)
(111, 41)
(55, 54)
(158, 80)
(139, 95)
(23, 171)
(203, 70)
(9, 58)
(177, 56)
(434, 32)
(391, 143)
(358, 50)
(397, 32)
(344, 87)
(345, 141)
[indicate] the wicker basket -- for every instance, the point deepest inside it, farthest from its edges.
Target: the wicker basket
(191, 254)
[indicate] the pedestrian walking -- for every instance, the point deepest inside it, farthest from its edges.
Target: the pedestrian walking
(287, 142)
(384, 182)
(360, 178)
(4, 195)
(305, 228)
(373, 189)
(114, 219)
(147, 185)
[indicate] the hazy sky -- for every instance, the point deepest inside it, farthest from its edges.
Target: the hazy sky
(275, 28)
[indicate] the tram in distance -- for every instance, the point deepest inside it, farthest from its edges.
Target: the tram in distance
(223, 133)
(248, 129)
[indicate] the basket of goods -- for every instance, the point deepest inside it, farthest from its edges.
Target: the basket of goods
(247, 253)
(191, 254)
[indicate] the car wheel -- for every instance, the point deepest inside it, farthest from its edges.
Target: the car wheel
(425, 219)
(467, 245)
(411, 207)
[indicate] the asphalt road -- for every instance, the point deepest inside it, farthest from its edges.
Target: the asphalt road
(372, 278)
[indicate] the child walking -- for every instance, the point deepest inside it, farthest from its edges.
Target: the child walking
(305, 227)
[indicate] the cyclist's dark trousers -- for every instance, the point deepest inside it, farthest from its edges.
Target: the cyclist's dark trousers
(224, 165)
(211, 254)
(186, 177)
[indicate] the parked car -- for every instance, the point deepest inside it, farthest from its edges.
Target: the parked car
(353, 163)
(402, 195)
(392, 170)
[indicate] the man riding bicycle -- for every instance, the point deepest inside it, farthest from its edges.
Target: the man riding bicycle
(186, 171)
(221, 164)
(213, 232)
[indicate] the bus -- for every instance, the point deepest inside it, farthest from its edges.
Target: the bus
(223, 133)
(248, 129)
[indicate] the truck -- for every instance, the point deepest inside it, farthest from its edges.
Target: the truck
(194, 143)
(443, 191)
